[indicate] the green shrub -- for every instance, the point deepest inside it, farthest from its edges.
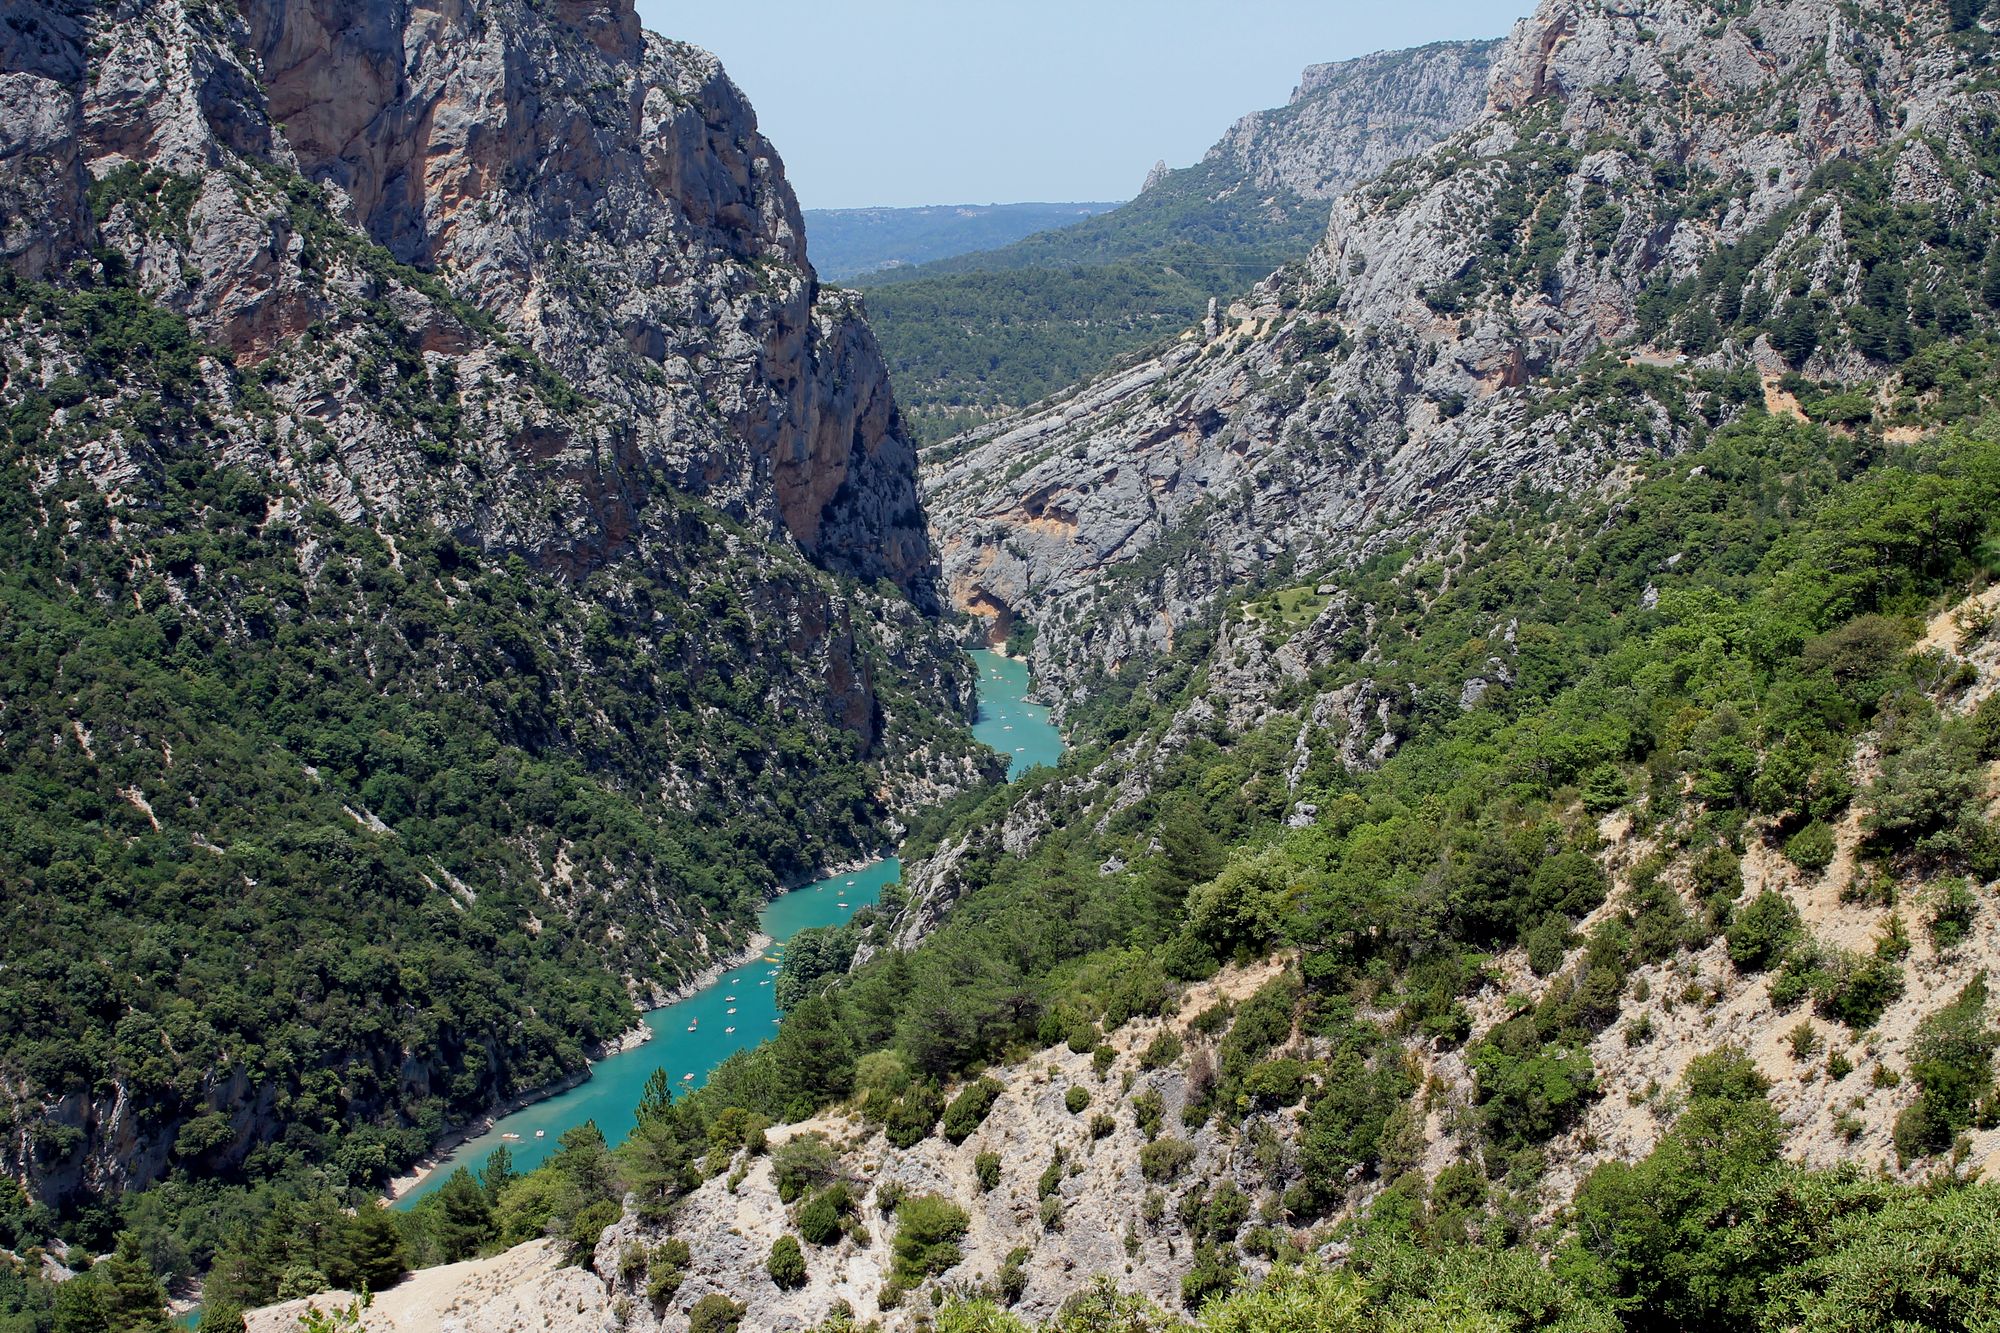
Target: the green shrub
(1076, 1099)
(1148, 1108)
(912, 1117)
(1052, 1176)
(969, 1109)
(1215, 1273)
(821, 1220)
(787, 1264)
(1951, 1060)
(1162, 1159)
(1162, 1050)
(1854, 988)
(1051, 1213)
(1212, 1019)
(1811, 848)
(1762, 932)
(1275, 1083)
(928, 1229)
(1547, 945)
(1952, 912)
(587, 1227)
(715, 1313)
(987, 1167)
(803, 1162)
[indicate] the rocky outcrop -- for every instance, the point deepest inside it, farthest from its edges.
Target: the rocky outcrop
(532, 1286)
(1417, 367)
(1100, 1223)
(1349, 120)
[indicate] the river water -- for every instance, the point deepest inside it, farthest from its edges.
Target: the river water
(690, 1038)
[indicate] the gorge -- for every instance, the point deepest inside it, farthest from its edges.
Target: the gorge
(1522, 847)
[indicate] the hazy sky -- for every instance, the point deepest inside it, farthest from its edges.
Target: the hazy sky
(940, 102)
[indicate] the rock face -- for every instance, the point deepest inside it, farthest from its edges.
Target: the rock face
(1416, 367)
(529, 1286)
(454, 299)
(602, 193)
(1349, 120)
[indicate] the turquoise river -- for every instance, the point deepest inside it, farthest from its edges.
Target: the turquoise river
(692, 1037)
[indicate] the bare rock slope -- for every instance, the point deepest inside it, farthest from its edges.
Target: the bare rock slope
(1658, 184)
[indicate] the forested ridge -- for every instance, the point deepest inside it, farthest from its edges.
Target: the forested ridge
(969, 337)
(1791, 568)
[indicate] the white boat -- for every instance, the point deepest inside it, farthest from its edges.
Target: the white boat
(840, 904)
(729, 1030)
(687, 1078)
(763, 983)
(510, 1135)
(732, 1011)
(541, 1133)
(732, 1000)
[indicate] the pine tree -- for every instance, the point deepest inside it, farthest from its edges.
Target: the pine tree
(375, 1249)
(584, 1160)
(81, 1307)
(465, 1216)
(134, 1300)
(499, 1172)
(220, 1317)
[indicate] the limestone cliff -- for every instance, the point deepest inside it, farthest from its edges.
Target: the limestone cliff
(1348, 120)
(601, 193)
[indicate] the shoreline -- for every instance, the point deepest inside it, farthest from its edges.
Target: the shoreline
(630, 1040)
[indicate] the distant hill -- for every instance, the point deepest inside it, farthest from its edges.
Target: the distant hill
(980, 333)
(850, 242)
